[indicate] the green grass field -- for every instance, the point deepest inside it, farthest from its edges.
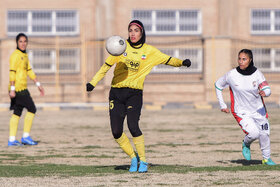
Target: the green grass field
(184, 147)
(43, 170)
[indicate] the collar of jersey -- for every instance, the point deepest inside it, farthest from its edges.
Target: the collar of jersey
(137, 46)
(24, 52)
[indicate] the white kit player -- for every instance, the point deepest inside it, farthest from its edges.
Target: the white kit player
(247, 88)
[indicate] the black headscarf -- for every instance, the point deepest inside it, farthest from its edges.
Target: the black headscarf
(17, 39)
(142, 40)
(251, 68)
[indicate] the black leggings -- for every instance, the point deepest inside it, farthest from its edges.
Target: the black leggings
(22, 100)
(125, 102)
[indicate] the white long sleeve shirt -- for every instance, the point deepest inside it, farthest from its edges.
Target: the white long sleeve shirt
(244, 92)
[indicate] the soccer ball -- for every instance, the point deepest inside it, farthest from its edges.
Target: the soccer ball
(115, 45)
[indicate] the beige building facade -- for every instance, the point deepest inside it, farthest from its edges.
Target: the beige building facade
(66, 44)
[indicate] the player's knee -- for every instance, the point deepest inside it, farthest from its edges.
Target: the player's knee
(18, 112)
(135, 131)
(32, 109)
(117, 133)
(254, 135)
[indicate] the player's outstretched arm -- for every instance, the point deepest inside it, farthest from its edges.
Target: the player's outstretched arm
(161, 58)
(100, 74)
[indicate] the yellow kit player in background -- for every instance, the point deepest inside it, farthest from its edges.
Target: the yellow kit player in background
(126, 94)
(20, 98)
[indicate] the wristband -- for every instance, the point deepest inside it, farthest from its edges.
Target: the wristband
(38, 84)
(13, 88)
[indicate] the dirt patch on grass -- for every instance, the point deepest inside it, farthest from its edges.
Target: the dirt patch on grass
(185, 137)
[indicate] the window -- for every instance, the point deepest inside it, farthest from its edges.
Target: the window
(42, 22)
(69, 60)
(17, 21)
(45, 60)
(194, 54)
(170, 22)
(267, 59)
(42, 60)
(265, 21)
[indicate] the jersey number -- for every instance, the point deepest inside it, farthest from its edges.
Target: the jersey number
(265, 127)
(111, 104)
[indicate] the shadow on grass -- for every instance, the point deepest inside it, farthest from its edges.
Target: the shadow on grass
(159, 168)
(43, 170)
(151, 166)
(126, 167)
(246, 162)
(122, 167)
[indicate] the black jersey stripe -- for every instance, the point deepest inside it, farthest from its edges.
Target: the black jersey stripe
(108, 64)
(13, 70)
(168, 61)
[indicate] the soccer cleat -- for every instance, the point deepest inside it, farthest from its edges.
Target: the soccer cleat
(14, 143)
(133, 165)
(268, 162)
(143, 167)
(246, 151)
(28, 141)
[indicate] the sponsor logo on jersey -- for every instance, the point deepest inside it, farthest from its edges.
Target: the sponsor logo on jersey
(134, 52)
(143, 57)
(132, 65)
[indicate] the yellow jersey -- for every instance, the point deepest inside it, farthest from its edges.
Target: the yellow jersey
(19, 69)
(133, 66)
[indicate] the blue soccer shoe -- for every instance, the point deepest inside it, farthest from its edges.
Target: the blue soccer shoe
(133, 165)
(268, 162)
(28, 141)
(14, 143)
(143, 167)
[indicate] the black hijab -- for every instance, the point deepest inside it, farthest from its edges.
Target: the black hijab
(251, 68)
(17, 39)
(142, 40)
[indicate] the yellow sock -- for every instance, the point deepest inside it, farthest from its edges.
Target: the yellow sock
(14, 125)
(140, 147)
(125, 145)
(28, 122)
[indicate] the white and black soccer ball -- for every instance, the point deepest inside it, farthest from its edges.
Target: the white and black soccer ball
(115, 45)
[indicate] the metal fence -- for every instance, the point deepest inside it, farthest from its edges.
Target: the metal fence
(65, 65)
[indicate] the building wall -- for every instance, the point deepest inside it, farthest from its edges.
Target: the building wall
(225, 30)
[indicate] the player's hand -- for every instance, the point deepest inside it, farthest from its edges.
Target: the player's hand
(12, 94)
(225, 110)
(89, 87)
(187, 62)
(262, 93)
(42, 91)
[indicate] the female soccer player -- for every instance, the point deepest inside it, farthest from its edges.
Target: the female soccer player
(20, 97)
(126, 94)
(247, 89)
